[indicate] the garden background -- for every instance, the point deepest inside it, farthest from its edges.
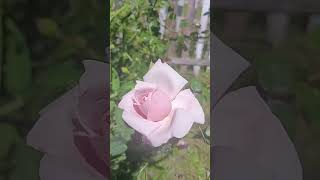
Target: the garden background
(142, 31)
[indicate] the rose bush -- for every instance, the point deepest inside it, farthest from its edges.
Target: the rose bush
(158, 108)
(72, 131)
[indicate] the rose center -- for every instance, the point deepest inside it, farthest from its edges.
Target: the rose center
(152, 104)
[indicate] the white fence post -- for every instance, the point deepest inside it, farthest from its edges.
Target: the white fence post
(179, 17)
(203, 27)
(277, 27)
(162, 18)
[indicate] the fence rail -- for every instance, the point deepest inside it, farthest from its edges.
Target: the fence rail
(189, 62)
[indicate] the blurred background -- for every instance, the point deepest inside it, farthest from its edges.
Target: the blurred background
(281, 39)
(42, 46)
(142, 31)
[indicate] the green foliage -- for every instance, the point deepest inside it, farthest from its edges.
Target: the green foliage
(26, 163)
(289, 75)
(181, 46)
(50, 78)
(18, 63)
(175, 164)
(308, 99)
(275, 74)
(134, 37)
(41, 58)
(8, 137)
(48, 27)
(201, 86)
(134, 42)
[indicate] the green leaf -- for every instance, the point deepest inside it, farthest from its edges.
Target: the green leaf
(50, 78)
(151, 64)
(18, 63)
(184, 23)
(314, 37)
(275, 77)
(8, 137)
(47, 27)
(196, 85)
(125, 70)
(117, 148)
(115, 80)
(308, 100)
(26, 163)
(287, 115)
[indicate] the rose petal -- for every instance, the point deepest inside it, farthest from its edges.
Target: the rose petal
(52, 168)
(244, 122)
(166, 78)
(95, 76)
(141, 125)
(56, 117)
(159, 106)
(94, 151)
(92, 96)
(92, 111)
(231, 164)
(181, 123)
(162, 134)
(144, 85)
(126, 101)
(227, 66)
(187, 101)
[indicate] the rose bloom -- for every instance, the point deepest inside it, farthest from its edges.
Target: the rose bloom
(158, 108)
(72, 131)
(249, 142)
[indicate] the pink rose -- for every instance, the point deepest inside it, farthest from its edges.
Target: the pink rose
(73, 130)
(158, 109)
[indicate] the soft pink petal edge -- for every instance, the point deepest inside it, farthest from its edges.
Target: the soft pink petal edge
(187, 101)
(56, 117)
(166, 78)
(163, 133)
(140, 124)
(53, 168)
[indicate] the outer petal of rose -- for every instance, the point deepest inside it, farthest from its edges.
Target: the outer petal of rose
(95, 151)
(56, 117)
(140, 124)
(166, 79)
(95, 75)
(244, 122)
(187, 101)
(181, 123)
(227, 66)
(93, 96)
(162, 134)
(53, 168)
(232, 164)
(126, 101)
(92, 110)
